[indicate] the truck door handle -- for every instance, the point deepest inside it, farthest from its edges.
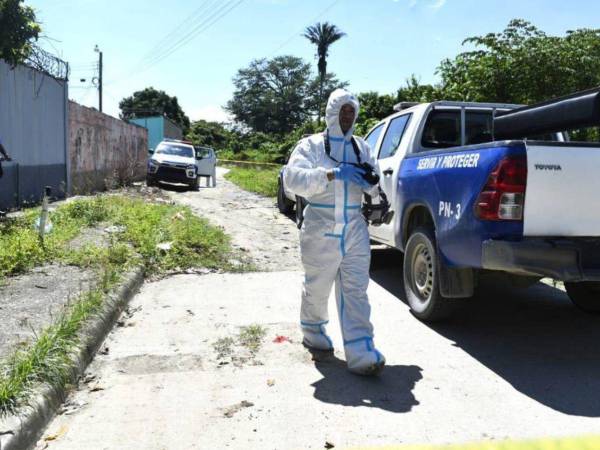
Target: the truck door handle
(387, 172)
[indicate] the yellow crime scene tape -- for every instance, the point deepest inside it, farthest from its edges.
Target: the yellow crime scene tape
(581, 443)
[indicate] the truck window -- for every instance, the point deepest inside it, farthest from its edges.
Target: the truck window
(203, 152)
(442, 130)
(393, 136)
(373, 136)
(478, 127)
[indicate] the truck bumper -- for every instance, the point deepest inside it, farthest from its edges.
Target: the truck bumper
(561, 259)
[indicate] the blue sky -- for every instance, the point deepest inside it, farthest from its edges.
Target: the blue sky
(386, 42)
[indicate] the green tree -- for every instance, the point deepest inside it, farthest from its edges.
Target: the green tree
(375, 106)
(211, 134)
(319, 89)
(277, 95)
(18, 28)
(323, 35)
(414, 91)
(523, 65)
(152, 102)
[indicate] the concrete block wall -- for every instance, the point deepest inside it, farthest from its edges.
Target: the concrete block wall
(104, 150)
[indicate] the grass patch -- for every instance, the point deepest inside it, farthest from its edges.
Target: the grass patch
(252, 337)
(191, 242)
(262, 181)
(48, 359)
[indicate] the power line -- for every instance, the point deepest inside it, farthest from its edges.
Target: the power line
(299, 32)
(200, 28)
(159, 47)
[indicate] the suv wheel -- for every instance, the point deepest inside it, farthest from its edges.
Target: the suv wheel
(284, 204)
(421, 277)
(300, 205)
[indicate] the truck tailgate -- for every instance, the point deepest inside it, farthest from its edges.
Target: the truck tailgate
(563, 190)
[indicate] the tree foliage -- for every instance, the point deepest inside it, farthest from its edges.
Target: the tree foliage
(322, 35)
(211, 134)
(277, 95)
(522, 64)
(152, 102)
(18, 28)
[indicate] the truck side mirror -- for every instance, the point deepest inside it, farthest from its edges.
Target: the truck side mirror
(151, 151)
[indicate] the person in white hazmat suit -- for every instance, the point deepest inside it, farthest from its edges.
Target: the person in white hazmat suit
(334, 239)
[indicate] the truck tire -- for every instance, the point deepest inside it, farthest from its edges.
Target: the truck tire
(150, 181)
(585, 295)
(421, 277)
(284, 204)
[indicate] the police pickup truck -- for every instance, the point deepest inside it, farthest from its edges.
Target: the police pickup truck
(482, 187)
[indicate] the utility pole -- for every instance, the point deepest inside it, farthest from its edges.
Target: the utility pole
(97, 50)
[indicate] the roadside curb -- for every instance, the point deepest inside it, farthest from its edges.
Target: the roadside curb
(23, 431)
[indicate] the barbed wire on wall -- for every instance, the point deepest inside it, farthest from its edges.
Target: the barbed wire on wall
(47, 63)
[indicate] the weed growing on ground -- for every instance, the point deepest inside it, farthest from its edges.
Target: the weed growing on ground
(252, 337)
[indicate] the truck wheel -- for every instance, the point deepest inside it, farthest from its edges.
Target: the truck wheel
(284, 204)
(150, 181)
(195, 185)
(421, 277)
(585, 295)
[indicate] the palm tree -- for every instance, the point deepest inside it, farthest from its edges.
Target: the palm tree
(322, 35)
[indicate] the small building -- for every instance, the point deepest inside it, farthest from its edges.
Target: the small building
(159, 128)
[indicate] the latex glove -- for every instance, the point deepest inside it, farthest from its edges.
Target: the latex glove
(351, 174)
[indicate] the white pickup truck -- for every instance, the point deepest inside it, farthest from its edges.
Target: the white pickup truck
(472, 194)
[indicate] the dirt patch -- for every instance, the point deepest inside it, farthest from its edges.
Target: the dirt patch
(28, 303)
(147, 364)
(254, 223)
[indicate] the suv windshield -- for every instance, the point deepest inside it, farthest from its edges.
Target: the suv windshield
(176, 150)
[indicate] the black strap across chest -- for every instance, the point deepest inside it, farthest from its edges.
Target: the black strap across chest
(354, 146)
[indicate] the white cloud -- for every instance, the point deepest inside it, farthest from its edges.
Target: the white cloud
(211, 113)
(437, 4)
(432, 4)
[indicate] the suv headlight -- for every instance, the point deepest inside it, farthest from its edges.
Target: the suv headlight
(191, 171)
(153, 165)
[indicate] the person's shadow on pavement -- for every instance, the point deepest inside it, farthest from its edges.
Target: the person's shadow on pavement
(390, 391)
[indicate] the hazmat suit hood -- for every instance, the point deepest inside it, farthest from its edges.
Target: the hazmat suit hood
(337, 99)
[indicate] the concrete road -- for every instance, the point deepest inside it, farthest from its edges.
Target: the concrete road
(511, 364)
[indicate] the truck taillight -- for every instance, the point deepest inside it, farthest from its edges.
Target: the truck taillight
(503, 196)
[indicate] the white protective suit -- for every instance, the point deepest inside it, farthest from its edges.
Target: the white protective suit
(334, 240)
